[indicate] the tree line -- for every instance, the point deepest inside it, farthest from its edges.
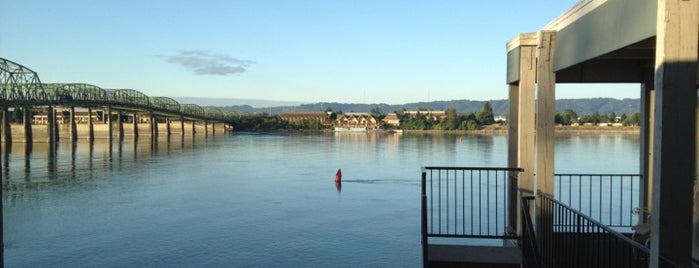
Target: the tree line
(425, 121)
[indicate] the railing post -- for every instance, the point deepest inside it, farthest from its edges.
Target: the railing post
(423, 213)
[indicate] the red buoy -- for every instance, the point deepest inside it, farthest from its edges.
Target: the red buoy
(338, 175)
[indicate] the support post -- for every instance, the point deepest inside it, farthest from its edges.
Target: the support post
(153, 125)
(51, 126)
(545, 113)
(194, 128)
(646, 150)
(167, 126)
(73, 125)
(512, 128)
(27, 123)
(90, 128)
(182, 125)
(525, 118)
(135, 125)
(674, 140)
(120, 125)
(108, 117)
(6, 128)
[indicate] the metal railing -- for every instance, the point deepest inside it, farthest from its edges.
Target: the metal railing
(529, 245)
(467, 202)
(569, 238)
(607, 198)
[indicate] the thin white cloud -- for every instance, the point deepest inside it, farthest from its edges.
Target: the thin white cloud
(204, 62)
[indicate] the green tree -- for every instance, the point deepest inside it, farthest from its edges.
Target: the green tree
(633, 120)
(485, 117)
(566, 117)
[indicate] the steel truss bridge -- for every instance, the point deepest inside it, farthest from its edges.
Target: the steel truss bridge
(21, 87)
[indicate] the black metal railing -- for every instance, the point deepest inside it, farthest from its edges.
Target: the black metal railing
(467, 202)
(569, 238)
(529, 245)
(607, 198)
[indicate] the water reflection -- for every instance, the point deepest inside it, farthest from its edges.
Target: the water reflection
(43, 162)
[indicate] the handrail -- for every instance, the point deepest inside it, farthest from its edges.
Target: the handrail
(586, 252)
(530, 250)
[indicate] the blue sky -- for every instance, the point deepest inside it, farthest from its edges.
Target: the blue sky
(366, 51)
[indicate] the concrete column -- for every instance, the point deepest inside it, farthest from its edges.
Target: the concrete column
(108, 117)
(182, 125)
(153, 125)
(73, 125)
(674, 140)
(120, 125)
(135, 125)
(213, 127)
(194, 128)
(545, 112)
(51, 125)
(525, 118)
(167, 126)
(646, 150)
(206, 128)
(6, 129)
(27, 124)
(91, 130)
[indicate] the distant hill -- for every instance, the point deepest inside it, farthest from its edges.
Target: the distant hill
(500, 107)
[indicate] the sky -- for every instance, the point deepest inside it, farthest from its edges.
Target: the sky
(350, 51)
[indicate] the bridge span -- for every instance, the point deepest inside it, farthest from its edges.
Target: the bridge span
(33, 111)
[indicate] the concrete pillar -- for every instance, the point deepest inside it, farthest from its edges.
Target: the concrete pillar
(206, 128)
(545, 113)
(153, 125)
(73, 125)
(51, 125)
(135, 125)
(674, 140)
(182, 125)
(91, 130)
(6, 129)
(646, 150)
(120, 125)
(213, 127)
(194, 128)
(108, 117)
(167, 126)
(525, 118)
(27, 124)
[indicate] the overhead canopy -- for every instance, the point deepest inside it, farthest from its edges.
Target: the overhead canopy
(598, 41)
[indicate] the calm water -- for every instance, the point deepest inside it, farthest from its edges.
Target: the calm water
(246, 200)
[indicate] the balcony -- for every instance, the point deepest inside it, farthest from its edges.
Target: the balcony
(476, 217)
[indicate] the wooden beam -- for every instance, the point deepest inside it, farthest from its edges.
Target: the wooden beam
(545, 112)
(675, 133)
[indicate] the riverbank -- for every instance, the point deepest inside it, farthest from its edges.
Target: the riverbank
(502, 130)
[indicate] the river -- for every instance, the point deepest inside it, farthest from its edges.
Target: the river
(246, 199)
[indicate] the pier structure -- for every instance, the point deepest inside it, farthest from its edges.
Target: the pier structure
(33, 111)
(653, 44)
(649, 43)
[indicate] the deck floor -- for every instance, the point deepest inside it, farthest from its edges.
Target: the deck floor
(473, 256)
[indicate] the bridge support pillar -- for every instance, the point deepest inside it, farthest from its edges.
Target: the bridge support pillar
(90, 129)
(73, 125)
(206, 128)
(51, 126)
(182, 125)
(108, 118)
(167, 126)
(27, 124)
(120, 125)
(6, 129)
(153, 125)
(194, 127)
(674, 141)
(135, 125)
